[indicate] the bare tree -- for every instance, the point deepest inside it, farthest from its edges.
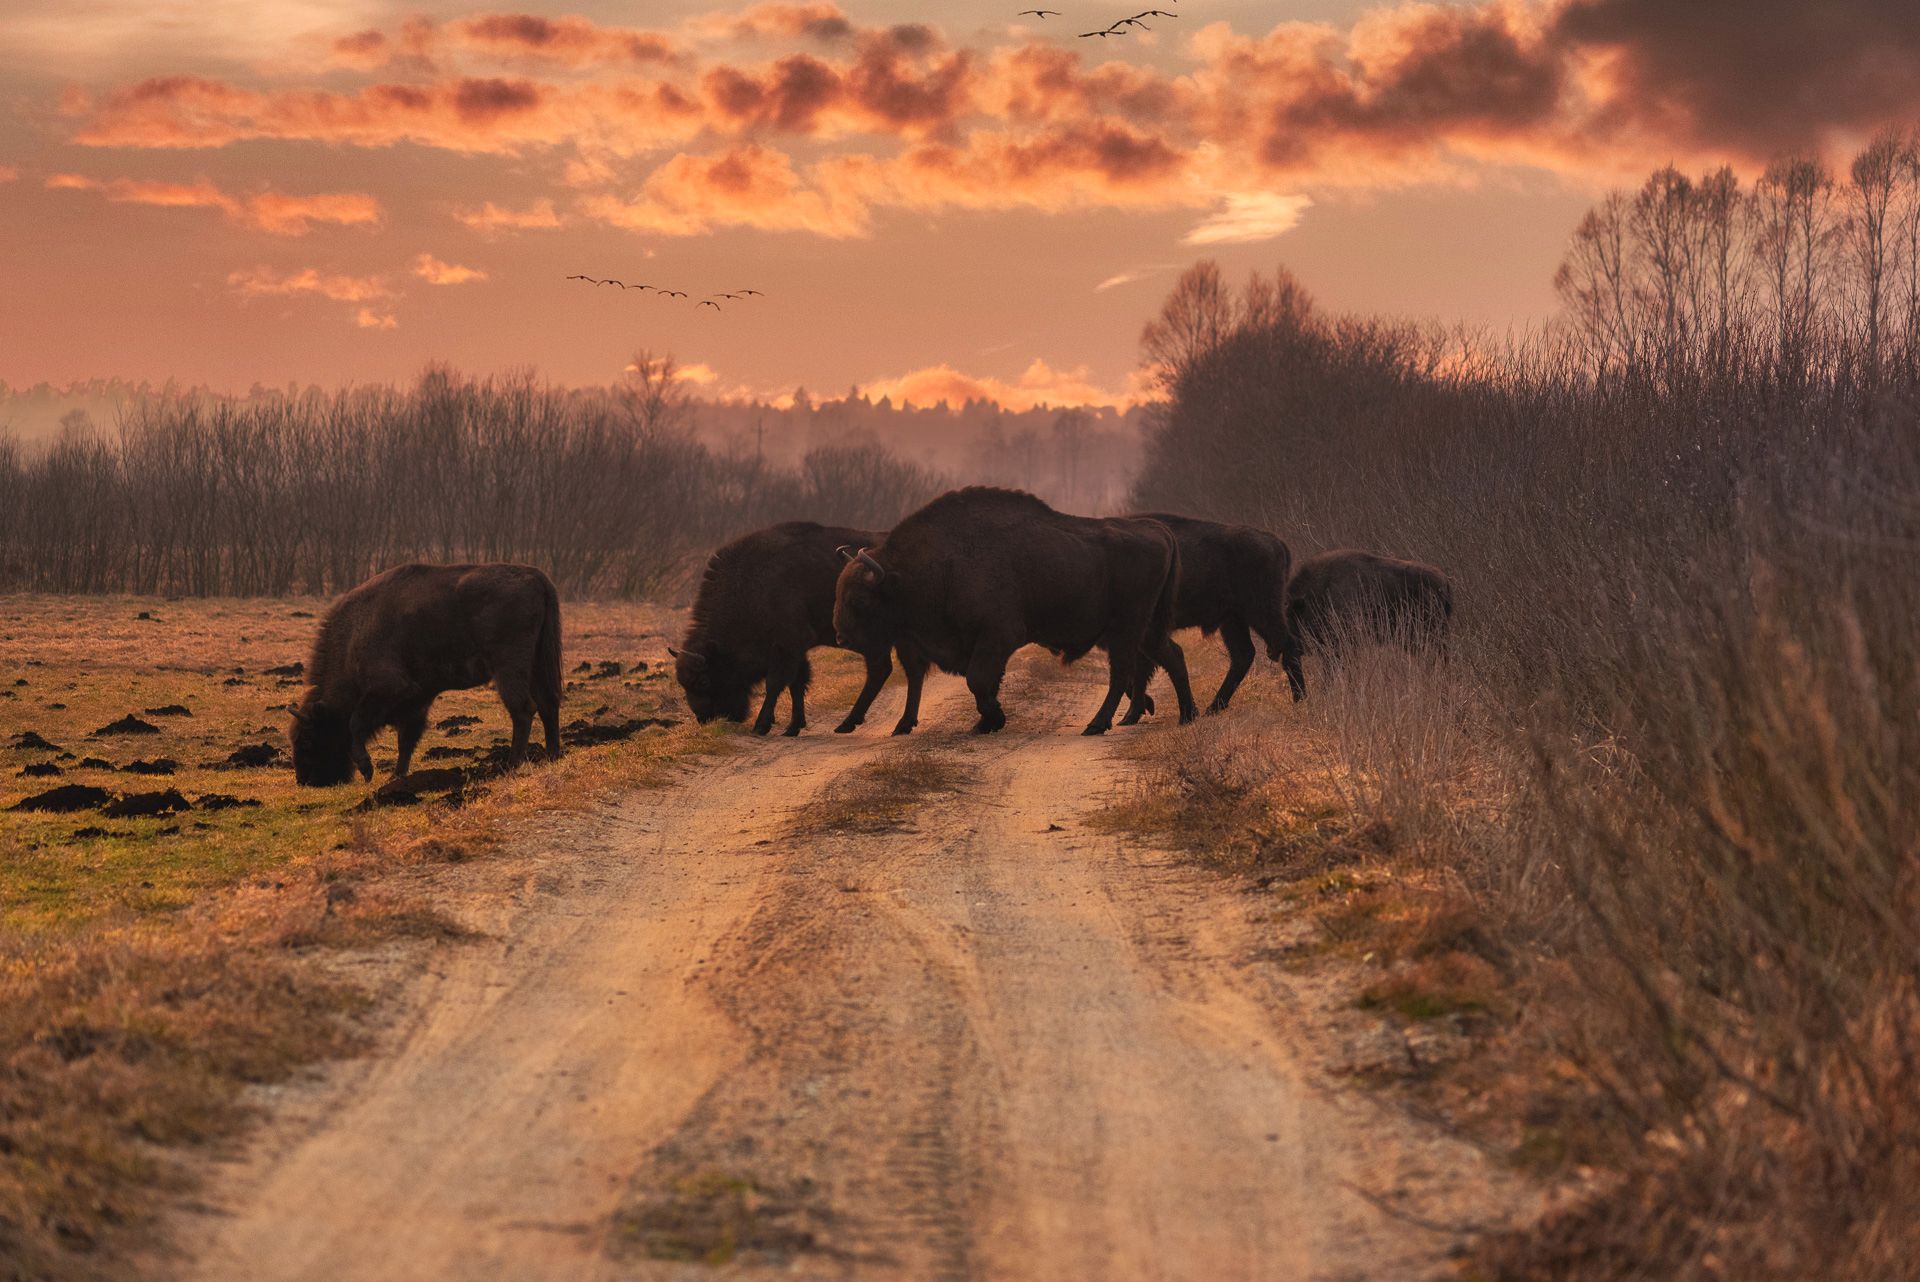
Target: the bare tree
(1193, 320)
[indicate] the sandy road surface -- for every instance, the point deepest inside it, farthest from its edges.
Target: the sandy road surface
(991, 1044)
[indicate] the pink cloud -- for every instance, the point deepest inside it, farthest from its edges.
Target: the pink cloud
(435, 272)
(268, 211)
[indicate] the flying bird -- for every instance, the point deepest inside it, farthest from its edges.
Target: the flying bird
(1110, 31)
(708, 302)
(1156, 13)
(590, 280)
(754, 292)
(1134, 22)
(1040, 13)
(733, 297)
(673, 293)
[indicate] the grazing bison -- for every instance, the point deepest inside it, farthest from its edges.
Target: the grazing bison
(1233, 580)
(978, 573)
(388, 648)
(1347, 594)
(766, 600)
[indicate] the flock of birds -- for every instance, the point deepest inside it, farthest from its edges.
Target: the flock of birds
(712, 300)
(1117, 29)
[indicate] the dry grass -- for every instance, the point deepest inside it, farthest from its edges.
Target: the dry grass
(1670, 771)
(882, 795)
(150, 974)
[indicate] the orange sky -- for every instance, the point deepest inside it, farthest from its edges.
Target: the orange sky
(231, 192)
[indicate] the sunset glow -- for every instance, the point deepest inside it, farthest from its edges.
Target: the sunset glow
(237, 193)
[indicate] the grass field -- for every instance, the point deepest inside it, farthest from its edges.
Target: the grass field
(198, 682)
(152, 966)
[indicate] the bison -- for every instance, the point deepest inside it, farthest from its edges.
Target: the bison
(388, 648)
(1348, 594)
(978, 573)
(766, 600)
(1233, 580)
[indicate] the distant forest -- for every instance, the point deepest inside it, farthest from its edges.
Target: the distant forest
(617, 491)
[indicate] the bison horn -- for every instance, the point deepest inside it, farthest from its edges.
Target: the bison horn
(846, 551)
(865, 558)
(298, 715)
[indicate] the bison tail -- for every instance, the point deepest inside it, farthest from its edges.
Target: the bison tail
(546, 650)
(1161, 625)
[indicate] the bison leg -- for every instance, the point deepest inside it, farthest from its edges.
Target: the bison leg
(916, 670)
(1123, 661)
(411, 724)
(879, 668)
(1240, 655)
(1139, 702)
(802, 677)
(547, 704)
(362, 726)
(984, 673)
(1174, 660)
(1290, 660)
(514, 694)
(779, 673)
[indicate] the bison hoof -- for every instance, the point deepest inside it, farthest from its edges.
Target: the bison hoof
(1095, 728)
(791, 732)
(1186, 718)
(1142, 705)
(760, 729)
(905, 727)
(990, 722)
(1216, 706)
(846, 727)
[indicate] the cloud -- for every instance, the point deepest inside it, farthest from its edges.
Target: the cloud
(698, 374)
(822, 22)
(749, 186)
(264, 281)
(1131, 275)
(574, 42)
(369, 297)
(540, 215)
(435, 272)
(879, 117)
(1039, 384)
(268, 211)
(1248, 216)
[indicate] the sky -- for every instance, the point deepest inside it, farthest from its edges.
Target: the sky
(934, 200)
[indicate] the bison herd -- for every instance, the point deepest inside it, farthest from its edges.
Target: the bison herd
(960, 585)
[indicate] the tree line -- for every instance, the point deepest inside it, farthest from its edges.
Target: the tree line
(606, 489)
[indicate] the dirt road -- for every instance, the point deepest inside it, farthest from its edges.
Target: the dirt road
(992, 1043)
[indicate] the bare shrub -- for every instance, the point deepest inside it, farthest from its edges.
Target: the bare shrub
(1672, 758)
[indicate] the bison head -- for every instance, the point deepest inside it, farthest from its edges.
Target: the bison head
(323, 745)
(713, 686)
(862, 608)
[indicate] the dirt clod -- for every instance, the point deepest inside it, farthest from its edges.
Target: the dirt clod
(128, 724)
(147, 805)
(253, 756)
(66, 799)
